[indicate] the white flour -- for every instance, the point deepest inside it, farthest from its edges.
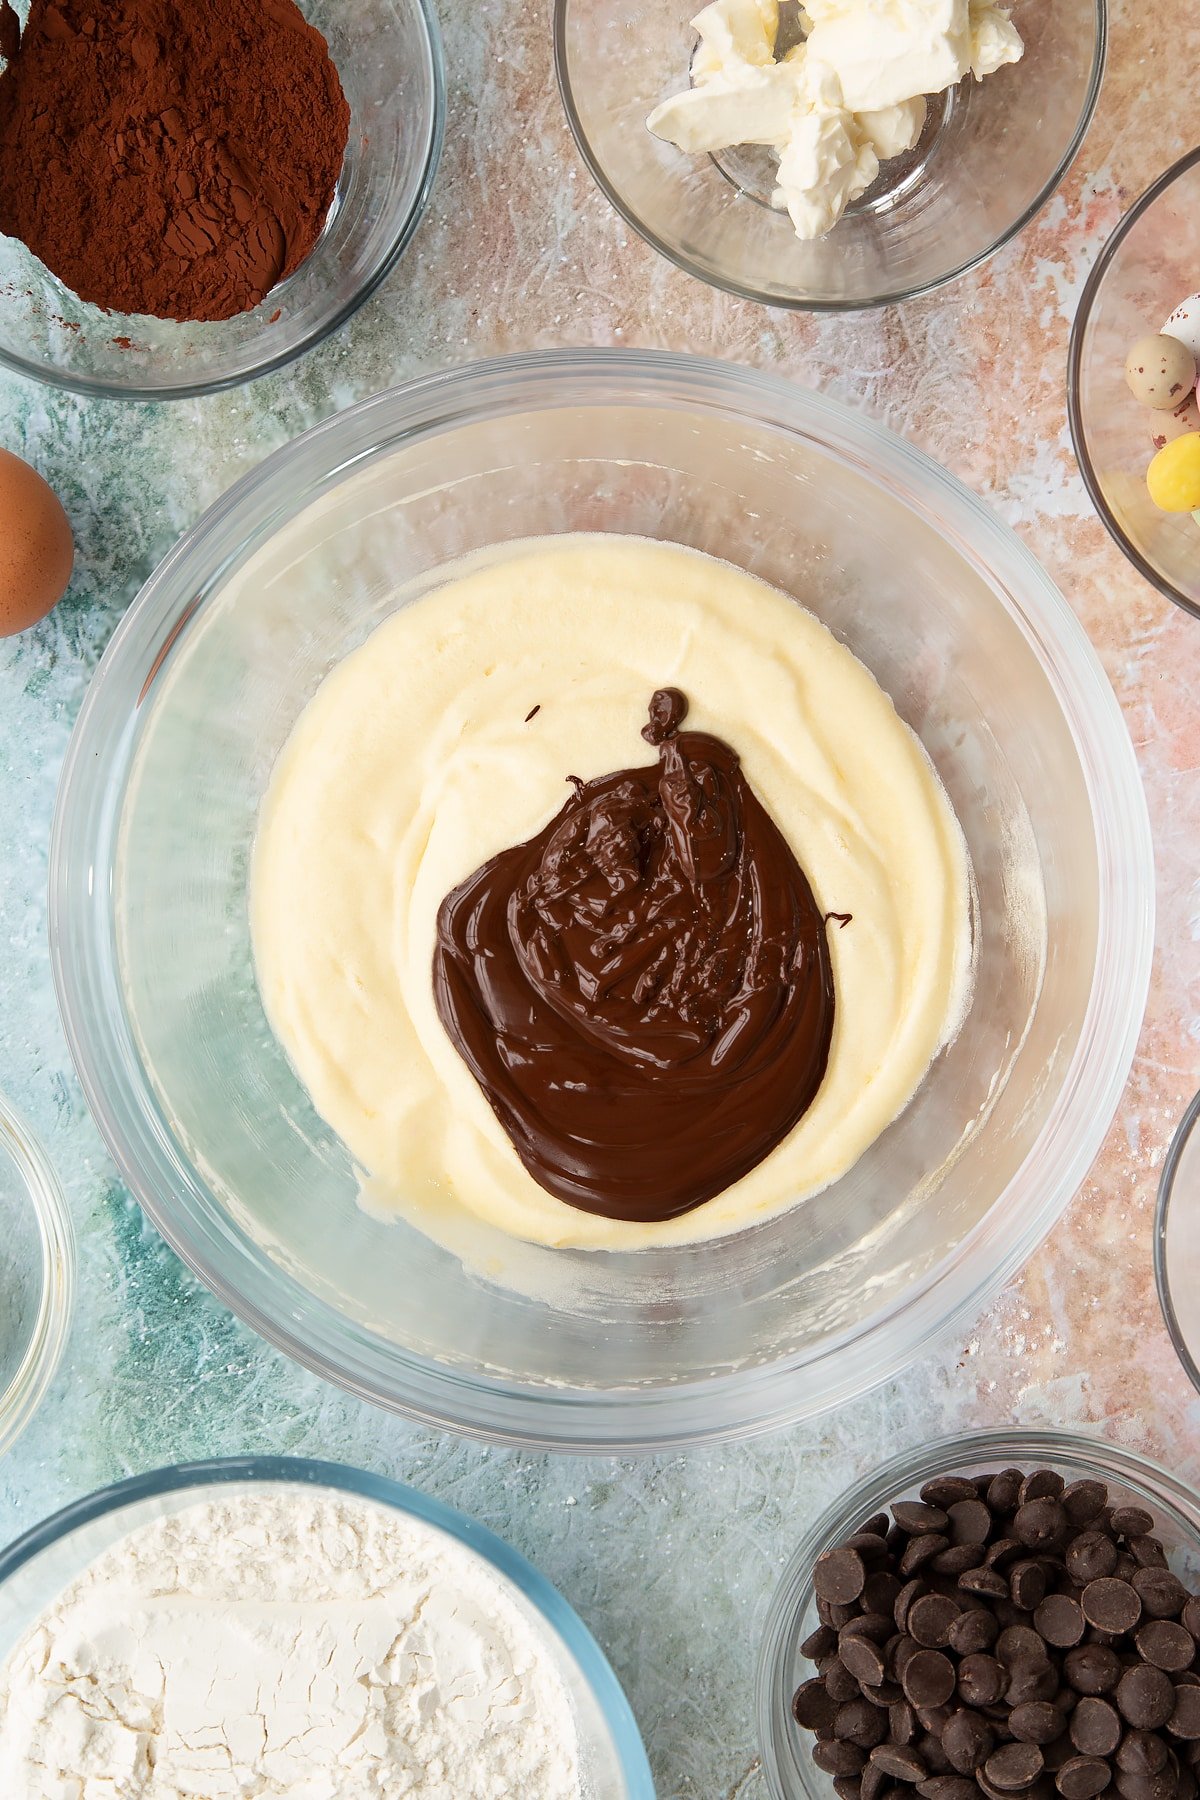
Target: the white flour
(281, 1642)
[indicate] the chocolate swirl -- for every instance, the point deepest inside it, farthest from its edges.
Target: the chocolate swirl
(643, 990)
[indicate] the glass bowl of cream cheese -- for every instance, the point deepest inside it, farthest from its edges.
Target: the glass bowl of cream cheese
(502, 546)
(37, 1274)
(841, 156)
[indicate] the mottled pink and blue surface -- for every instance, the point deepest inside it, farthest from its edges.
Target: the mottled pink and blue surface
(670, 1560)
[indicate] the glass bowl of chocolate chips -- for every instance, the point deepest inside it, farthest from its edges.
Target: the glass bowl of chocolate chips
(1002, 1616)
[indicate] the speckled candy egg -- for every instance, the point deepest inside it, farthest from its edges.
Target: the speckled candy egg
(36, 549)
(1165, 427)
(1161, 372)
(1184, 324)
(1174, 476)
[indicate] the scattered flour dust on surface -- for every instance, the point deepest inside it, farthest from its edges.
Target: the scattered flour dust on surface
(284, 1642)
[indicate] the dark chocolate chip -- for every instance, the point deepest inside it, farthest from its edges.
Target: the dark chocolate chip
(902, 1723)
(877, 1626)
(838, 1679)
(1146, 1697)
(1090, 1556)
(900, 1655)
(928, 1678)
(1148, 1552)
(945, 1490)
(967, 1740)
(918, 1518)
(1131, 1521)
(957, 1559)
(1004, 1492)
(847, 1787)
(984, 1581)
(1141, 1753)
(1020, 1644)
(970, 1522)
(912, 1590)
(1083, 1501)
(1184, 1721)
(858, 1722)
(1014, 1767)
(837, 1758)
(1163, 1786)
(1095, 1727)
(881, 1591)
(1059, 1620)
(900, 1761)
(1004, 1552)
(1032, 1681)
(1163, 1595)
(930, 1620)
(839, 1576)
(1036, 1722)
(1027, 1585)
(1111, 1604)
(920, 1550)
(982, 1680)
(885, 1695)
(874, 1782)
(1166, 1645)
(819, 1643)
(1039, 1523)
(870, 1546)
(975, 1629)
(812, 1706)
(1042, 1484)
(948, 1787)
(1190, 1617)
(878, 1525)
(1083, 1778)
(934, 1757)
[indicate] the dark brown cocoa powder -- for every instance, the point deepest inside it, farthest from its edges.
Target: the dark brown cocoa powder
(171, 157)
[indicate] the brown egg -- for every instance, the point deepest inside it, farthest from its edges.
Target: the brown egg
(36, 548)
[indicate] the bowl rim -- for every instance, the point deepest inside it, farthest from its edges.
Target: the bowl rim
(797, 303)
(892, 1479)
(1079, 439)
(714, 1408)
(563, 1622)
(1162, 1275)
(20, 1145)
(50, 375)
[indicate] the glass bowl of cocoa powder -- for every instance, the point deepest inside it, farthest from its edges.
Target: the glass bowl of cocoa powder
(227, 233)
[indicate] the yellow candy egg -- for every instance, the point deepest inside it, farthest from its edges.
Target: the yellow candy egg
(1174, 476)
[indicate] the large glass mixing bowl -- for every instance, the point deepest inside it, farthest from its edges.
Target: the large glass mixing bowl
(295, 566)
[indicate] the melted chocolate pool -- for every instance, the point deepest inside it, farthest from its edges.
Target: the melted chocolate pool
(643, 990)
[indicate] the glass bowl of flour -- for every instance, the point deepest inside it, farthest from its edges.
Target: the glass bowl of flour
(305, 1627)
(724, 1321)
(941, 193)
(37, 1274)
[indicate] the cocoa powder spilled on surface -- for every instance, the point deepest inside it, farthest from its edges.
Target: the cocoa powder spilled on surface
(170, 157)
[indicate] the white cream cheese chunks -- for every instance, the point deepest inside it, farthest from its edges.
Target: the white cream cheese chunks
(849, 97)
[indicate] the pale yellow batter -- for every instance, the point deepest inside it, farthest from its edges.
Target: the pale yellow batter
(415, 762)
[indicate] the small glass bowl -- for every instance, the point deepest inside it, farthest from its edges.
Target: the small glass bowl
(992, 154)
(39, 1565)
(1149, 264)
(389, 57)
(790, 1771)
(1177, 1242)
(37, 1275)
